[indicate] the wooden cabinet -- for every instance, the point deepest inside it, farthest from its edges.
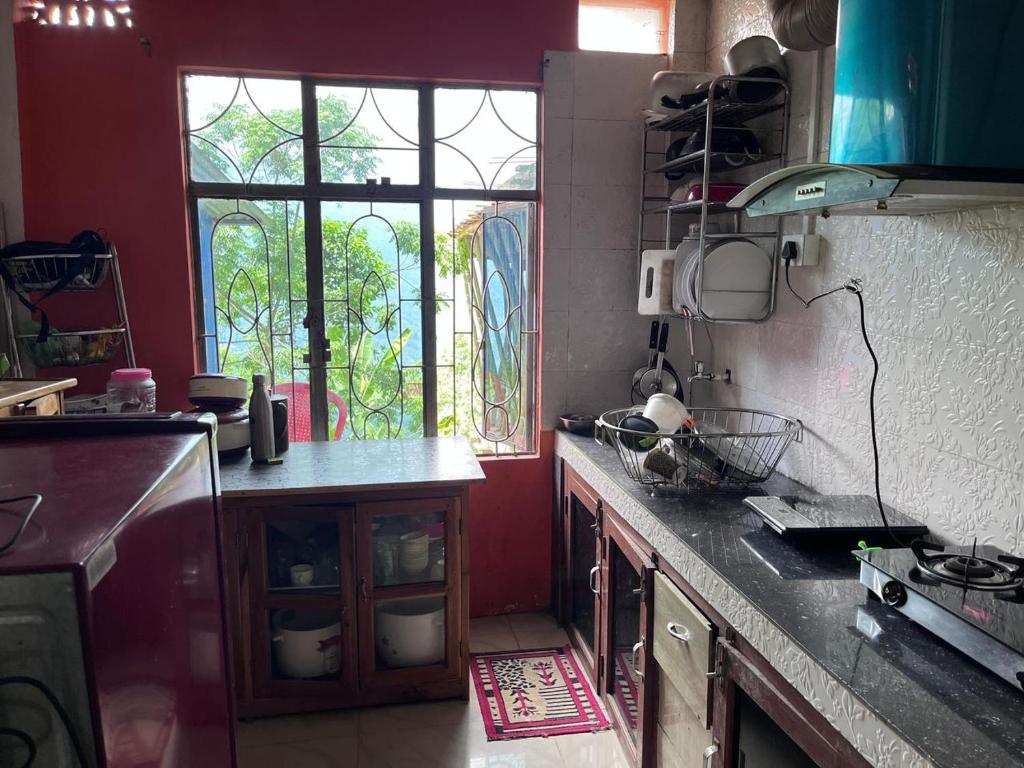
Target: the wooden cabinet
(627, 662)
(682, 688)
(33, 397)
(581, 571)
(761, 721)
(347, 600)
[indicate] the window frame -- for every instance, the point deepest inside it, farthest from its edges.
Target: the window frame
(314, 192)
(664, 7)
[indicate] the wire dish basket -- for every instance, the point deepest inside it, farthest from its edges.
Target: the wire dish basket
(42, 272)
(724, 448)
(73, 349)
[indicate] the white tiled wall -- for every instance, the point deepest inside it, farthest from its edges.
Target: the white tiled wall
(945, 309)
(592, 336)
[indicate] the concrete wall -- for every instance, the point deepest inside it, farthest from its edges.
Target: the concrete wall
(945, 310)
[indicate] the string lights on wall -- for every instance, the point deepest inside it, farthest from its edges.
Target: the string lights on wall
(78, 13)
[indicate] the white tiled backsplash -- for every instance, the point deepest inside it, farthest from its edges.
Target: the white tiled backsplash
(945, 311)
(593, 338)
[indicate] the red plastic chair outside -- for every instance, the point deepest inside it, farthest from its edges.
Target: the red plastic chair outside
(299, 428)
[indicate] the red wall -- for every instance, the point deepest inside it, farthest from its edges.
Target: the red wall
(101, 148)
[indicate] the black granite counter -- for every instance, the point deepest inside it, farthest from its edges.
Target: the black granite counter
(905, 683)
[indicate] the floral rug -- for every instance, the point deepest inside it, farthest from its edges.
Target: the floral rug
(534, 693)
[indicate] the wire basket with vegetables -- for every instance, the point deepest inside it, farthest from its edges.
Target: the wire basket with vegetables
(73, 349)
(717, 448)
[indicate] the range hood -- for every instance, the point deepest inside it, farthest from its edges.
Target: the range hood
(828, 188)
(926, 113)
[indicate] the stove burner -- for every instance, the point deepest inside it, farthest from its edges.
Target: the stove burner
(969, 571)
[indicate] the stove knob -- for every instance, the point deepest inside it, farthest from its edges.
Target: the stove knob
(894, 594)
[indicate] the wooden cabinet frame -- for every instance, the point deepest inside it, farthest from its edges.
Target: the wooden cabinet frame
(258, 693)
(456, 620)
(618, 536)
(738, 666)
(575, 487)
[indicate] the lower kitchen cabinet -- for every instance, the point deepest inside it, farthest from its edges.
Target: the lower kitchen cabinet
(342, 601)
(582, 569)
(681, 687)
(626, 654)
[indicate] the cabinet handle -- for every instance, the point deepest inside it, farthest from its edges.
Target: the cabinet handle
(679, 632)
(636, 655)
(709, 753)
(593, 580)
(364, 591)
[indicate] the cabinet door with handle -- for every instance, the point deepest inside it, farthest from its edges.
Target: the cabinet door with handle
(683, 650)
(628, 640)
(582, 570)
(411, 610)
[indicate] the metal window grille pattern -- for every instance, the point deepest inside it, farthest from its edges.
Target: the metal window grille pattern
(339, 249)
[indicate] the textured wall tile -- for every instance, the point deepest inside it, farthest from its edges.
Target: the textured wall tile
(613, 86)
(597, 391)
(555, 340)
(604, 216)
(602, 279)
(554, 386)
(555, 285)
(556, 152)
(557, 202)
(606, 340)
(606, 152)
(558, 83)
(690, 27)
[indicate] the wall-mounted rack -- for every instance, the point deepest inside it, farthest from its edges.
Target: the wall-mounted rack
(721, 111)
(69, 348)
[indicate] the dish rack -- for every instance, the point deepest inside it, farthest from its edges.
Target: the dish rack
(725, 448)
(68, 348)
(718, 112)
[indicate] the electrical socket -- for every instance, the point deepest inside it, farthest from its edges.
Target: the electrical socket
(807, 249)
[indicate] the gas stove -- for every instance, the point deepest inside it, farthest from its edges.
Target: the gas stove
(971, 597)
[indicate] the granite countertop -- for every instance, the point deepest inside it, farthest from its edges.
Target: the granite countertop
(354, 465)
(899, 694)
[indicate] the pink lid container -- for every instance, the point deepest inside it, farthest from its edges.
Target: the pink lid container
(131, 374)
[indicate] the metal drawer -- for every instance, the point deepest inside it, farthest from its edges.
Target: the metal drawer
(683, 645)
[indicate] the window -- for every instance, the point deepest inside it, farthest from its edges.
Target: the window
(372, 248)
(627, 26)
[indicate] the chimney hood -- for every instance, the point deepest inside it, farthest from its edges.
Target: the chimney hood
(827, 188)
(926, 113)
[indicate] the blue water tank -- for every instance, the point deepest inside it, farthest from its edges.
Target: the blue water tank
(929, 83)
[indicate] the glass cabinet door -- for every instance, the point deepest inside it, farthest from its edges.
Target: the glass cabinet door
(302, 556)
(625, 638)
(628, 637)
(302, 596)
(408, 590)
(583, 572)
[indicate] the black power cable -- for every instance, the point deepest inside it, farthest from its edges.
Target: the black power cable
(854, 286)
(62, 713)
(36, 500)
(24, 738)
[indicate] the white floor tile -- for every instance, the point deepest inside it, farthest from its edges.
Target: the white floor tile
(445, 734)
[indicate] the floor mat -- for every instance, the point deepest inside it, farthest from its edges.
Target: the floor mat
(534, 693)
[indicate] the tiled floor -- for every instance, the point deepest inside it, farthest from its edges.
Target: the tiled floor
(447, 734)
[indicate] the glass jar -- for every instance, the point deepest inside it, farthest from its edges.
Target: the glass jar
(131, 390)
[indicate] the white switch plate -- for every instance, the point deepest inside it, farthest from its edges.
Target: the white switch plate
(807, 249)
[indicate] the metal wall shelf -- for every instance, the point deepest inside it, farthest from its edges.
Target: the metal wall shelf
(718, 112)
(725, 113)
